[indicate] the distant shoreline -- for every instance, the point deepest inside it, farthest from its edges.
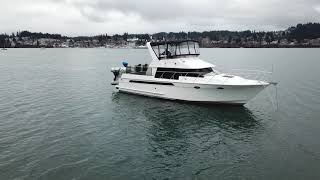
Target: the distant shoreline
(216, 47)
(299, 36)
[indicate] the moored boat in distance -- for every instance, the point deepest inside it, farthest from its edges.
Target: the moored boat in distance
(177, 73)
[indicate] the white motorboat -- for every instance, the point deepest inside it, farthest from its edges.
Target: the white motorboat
(177, 73)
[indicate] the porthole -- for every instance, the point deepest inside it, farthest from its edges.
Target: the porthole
(197, 87)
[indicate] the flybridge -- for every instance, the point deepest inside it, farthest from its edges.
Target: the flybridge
(175, 49)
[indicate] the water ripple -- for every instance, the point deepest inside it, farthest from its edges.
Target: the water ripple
(59, 119)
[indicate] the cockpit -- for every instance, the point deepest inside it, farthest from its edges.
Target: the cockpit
(175, 49)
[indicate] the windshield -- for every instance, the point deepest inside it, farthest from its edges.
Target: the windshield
(168, 50)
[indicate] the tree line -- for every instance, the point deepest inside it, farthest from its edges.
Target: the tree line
(298, 33)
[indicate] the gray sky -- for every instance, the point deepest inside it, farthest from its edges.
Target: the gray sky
(89, 17)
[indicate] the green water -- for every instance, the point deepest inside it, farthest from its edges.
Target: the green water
(60, 119)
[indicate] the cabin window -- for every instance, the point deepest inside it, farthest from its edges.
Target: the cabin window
(162, 50)
(174, 49)
(192, 48)
(174, 73)
(184, 48)
(156, 50)
(196, 48)
(170, 51)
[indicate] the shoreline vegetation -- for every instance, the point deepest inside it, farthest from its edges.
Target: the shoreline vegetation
(299, 36)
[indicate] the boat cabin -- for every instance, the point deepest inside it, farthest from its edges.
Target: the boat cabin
(175, 49)
(173, 59)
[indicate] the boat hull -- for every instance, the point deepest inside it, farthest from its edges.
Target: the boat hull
(192, 92)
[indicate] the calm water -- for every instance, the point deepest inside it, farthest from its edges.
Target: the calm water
(60, 119)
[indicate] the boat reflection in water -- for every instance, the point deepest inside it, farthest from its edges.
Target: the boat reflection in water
(180, 136)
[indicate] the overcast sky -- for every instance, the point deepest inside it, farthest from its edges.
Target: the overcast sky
(90, 17)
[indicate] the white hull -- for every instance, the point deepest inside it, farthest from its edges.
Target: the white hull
(177, 73)
(203, 93)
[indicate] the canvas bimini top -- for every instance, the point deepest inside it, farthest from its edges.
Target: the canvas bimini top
(175, 49)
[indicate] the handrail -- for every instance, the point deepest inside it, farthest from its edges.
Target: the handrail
(249, 70)
(162, 75)
(252, 74)
(172, 75)
(184, 74)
